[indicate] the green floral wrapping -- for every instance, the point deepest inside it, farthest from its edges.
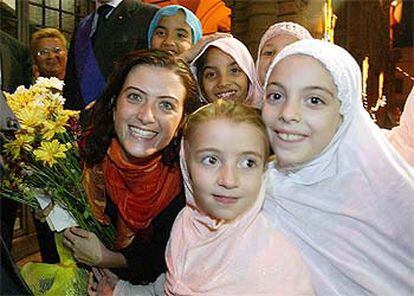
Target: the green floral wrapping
(63, 279)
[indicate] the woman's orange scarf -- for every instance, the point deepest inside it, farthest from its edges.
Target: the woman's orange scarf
(140, 190)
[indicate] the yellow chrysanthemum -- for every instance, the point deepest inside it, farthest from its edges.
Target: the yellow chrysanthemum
(22, 141)
(30, 118)
(21, 94)
(19, 99)
(49, 152)
(67, 113)
(59, 121)
(52, 104)
(50, 128)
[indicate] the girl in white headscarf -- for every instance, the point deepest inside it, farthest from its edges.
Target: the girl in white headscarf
(276, 37)
(225, 70)
(339, 189)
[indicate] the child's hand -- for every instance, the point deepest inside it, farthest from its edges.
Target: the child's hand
(102, 282)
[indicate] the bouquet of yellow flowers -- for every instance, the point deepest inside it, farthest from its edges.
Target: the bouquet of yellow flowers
(42, 158)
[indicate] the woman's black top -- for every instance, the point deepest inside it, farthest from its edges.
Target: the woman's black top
(146, 253)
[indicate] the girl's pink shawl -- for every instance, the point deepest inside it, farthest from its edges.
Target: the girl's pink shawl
(245, 257)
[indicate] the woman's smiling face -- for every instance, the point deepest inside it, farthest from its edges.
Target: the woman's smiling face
(148, 111)
(301, 110)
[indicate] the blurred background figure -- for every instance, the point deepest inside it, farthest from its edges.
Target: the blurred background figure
(392, 117)
(49, 52)
(115, 28)
(15, 70)
(11, 282)
(8, 124)
(15, 63)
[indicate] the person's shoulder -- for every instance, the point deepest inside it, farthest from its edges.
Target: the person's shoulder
(4, 37)
(139, 5)
(13, 48)
(141, 13)
(85, 19)
(10, 41)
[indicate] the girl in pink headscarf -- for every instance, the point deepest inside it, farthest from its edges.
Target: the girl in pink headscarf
(221, 243)
(225, 70)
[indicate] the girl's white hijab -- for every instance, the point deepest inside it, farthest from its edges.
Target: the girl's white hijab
(351, 209)
(240, 53)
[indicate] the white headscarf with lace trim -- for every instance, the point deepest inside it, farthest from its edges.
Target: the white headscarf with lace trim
(282, 28)
(351, 209)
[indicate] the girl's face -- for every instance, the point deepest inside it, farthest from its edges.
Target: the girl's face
(271, 48)
(222, 78)
(301, 110)
(226, 162)
(173, 34)
(148, 111)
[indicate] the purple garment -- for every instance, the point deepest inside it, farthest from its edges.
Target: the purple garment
(91, 80)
